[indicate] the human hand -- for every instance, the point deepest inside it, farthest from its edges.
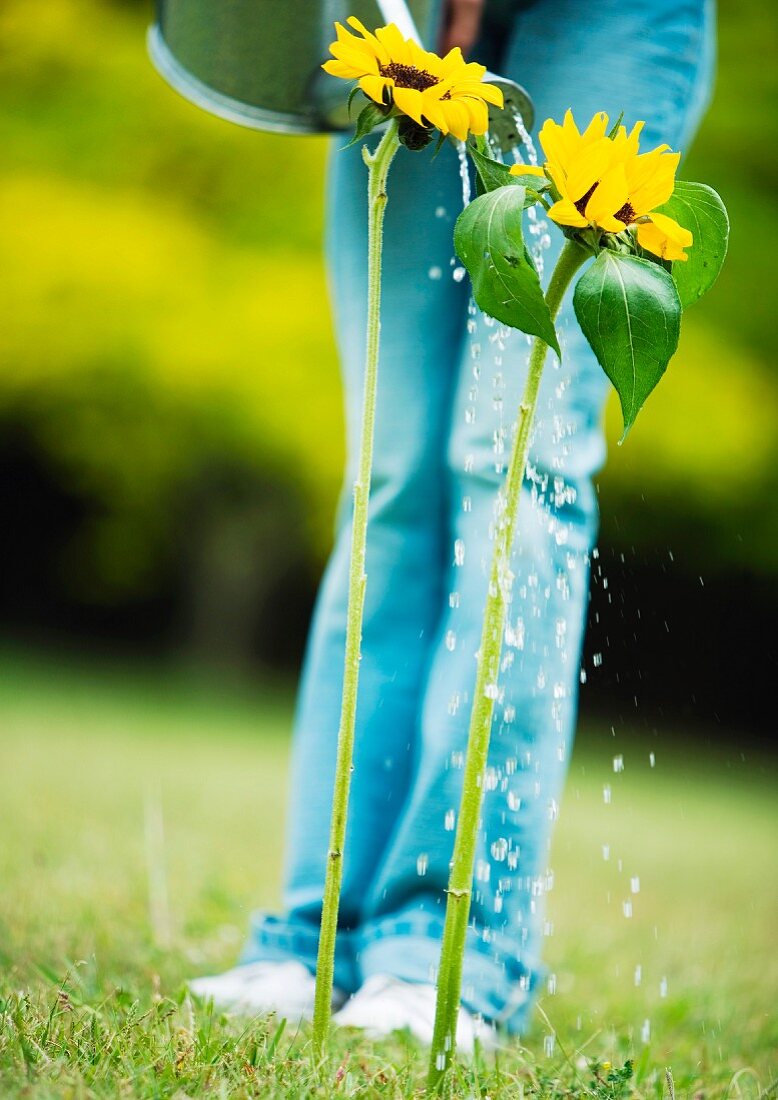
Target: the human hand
(461, 24)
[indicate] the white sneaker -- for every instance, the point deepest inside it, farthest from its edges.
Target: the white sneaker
(286, 988)
(385, 1004)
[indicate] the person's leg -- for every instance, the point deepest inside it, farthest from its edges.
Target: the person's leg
(423, 310)
(653, 61)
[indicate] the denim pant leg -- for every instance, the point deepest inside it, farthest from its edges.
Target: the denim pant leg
(652, 59)
(423, 311)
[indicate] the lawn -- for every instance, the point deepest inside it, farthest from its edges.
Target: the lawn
(141, 818)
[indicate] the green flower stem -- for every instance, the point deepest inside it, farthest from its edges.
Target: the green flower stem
(378, 167)
(461, 876)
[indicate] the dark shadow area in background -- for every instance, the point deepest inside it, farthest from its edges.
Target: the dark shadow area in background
(233, 586)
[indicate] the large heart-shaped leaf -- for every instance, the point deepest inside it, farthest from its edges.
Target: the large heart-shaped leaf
(489, 241)
(698, 208)
(630, 313)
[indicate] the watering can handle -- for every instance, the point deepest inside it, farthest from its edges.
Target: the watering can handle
(396, 11)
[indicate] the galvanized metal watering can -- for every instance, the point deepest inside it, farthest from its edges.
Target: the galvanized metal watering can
(258, 62)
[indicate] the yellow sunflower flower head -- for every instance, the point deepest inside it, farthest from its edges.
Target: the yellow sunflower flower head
(447, 93)
(603, 182)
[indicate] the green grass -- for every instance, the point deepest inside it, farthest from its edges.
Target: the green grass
(92, 1001)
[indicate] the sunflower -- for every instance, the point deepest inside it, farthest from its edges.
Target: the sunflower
(443, 92)
(604, 182)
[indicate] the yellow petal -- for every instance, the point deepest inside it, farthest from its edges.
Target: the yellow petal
(527, 170)
(651, 179)
(588, 167)
(409, 101)
(363, 62)
(554, 142)
(674, 231)
(609, 195)
(565, 213)
(374, 86)
(390, 37)
(435, 114)
(457, 118)
(596, 129)
(380, 51)
(477, 112)
(664, 237)
(339, 68)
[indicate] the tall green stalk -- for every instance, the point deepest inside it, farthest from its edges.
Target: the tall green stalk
(460, 884)
(378, 167)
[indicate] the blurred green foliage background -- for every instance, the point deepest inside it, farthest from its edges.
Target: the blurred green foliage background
(170, 418)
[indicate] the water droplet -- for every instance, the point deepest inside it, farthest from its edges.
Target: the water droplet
(638, 974)
(422, 863)
(651, 759)
(435, 273)
(514, 802)
(549, 1042)
(626, 908)
(453, 599)
(606, 852)
(663, 987)
(491, 691)
(499, 849)
(458, 274)
(597, 660)
(459, 552)
(483, 870)
(634, 884)
(606, 794)
(551, 984)
(451, 640)
(440, 211)
(618, 763)
(645, 1032)
(449, 821)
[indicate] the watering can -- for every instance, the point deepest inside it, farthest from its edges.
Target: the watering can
(258, 62)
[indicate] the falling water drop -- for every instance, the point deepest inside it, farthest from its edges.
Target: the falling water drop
(618, 763)
(459, 552)
(499, 849)
(435, 273)
(422, 863)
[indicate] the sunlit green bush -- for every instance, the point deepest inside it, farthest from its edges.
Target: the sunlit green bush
(164, 310)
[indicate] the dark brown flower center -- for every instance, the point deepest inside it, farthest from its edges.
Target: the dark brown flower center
(580, 205)
(408, 76)
(627, 214)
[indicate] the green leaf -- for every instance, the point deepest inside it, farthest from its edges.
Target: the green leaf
(615, 127)
(493, 174)
(351, 95)
(699, 209)
(630, 313)
(369, 117)
(489, 241)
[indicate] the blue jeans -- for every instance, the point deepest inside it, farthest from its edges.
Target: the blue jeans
(449, 387)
